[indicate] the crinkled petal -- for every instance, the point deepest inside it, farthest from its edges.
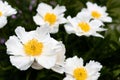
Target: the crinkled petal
(93, 67)
(21, 62)
(23, 35)
(3, 21)
(14, 46)
(83, 16)
(69, 27)
(50, 47)
(59, 9)
(60, 50)
(94, 76)
(38, 19)
(42, 33)
(7, 9)
(72, 63)
(46, 61)
(43, 9)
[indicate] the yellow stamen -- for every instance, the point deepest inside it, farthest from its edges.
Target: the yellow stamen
(80, 74)
(33, 47)
(84, 26)
(96, 14)
(50, 18)
(1, 13)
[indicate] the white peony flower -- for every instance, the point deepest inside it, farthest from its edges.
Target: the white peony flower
(97, 12)
(83, 25)
(33, 48)
(75, 70)
(53, 17)
(5, 11)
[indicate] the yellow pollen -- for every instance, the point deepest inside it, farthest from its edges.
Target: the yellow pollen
(84, 26)
(33, 47)
(96, 14)
(50, 18)
(80, 74)
(1, 13)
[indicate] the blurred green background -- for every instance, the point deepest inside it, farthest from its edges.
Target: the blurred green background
(106, 51)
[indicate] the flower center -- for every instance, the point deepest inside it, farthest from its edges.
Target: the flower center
(33, 47)
(50, 17)
(84, 26)
(96, 14)
(1, 13)
(80, 74)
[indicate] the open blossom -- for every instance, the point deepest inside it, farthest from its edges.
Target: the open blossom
(75, 70)
(32, 48)
(97, 12)
(5, 11)
(47, 15)
(83, 25)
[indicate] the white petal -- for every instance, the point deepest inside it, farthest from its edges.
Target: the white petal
(62, 20)
(96, 23)
(60, 50)
(58, 69)
(69, 77)
(54, 28)
(97, 35)
(46, 61)
(14, 46)
(22, 63)
(3, 21)
(83, 16)
(37, 66)
(94, 76)
(72, 63)
(7, 9)
(23, 35)
(93, 67)
(50, 47)
(107, 19)
(69, 27)
(38, 19)
(42, 33)
(43, 9)
(59, 9)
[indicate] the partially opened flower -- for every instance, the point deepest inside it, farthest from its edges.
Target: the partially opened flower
(53, 17)
(5, 11)
(32, 48)
(97, 12)
(83, 25)
(75, 69)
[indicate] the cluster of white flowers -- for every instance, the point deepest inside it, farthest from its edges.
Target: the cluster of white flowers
(37, 49)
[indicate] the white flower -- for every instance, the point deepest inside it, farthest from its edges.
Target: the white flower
(83, 25)
(97, 12)
(33, 48)
(75, 70)
(53, 17)
(5, 11)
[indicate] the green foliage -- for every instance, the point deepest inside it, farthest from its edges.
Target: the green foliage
(106, 51)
